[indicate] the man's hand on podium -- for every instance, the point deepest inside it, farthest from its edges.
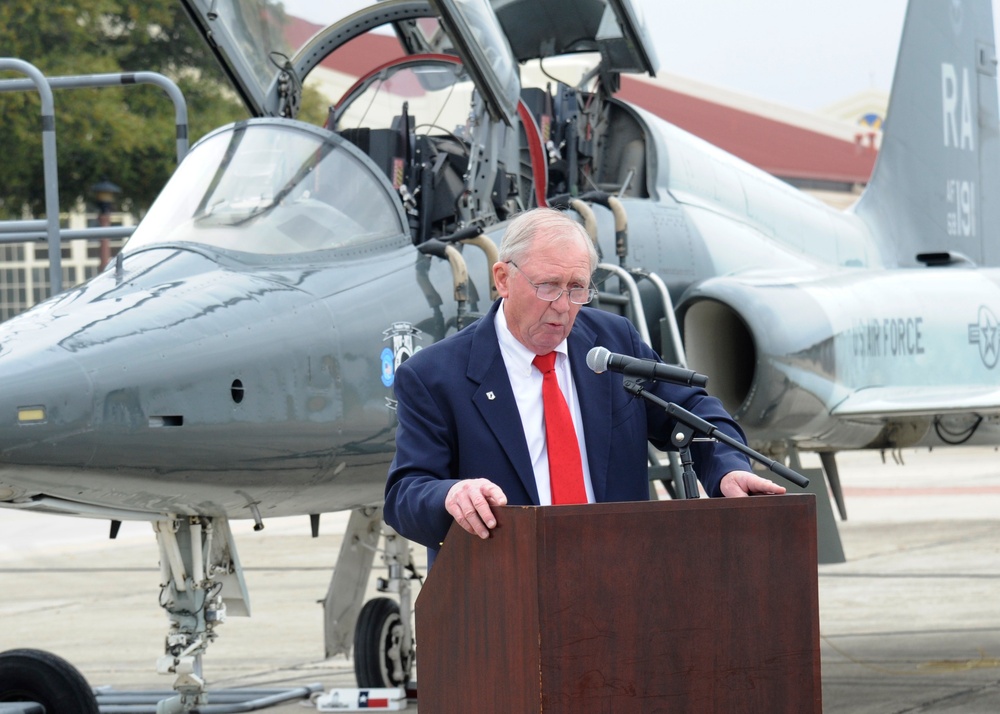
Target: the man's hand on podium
(469, 502)
(744, 483)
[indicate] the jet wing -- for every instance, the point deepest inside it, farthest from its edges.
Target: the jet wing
(908, 401)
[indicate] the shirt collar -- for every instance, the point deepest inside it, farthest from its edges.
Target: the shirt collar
(515, 354)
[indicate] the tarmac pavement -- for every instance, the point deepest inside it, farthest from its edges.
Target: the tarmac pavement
(910, 623)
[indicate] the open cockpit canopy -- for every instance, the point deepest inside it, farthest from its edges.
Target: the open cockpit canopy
(268, 51)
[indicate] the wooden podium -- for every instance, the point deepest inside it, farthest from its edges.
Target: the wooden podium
(707, 605)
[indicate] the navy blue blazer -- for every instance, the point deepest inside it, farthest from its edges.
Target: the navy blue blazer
(458, 419)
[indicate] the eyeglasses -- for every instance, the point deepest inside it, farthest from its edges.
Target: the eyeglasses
(550, 292)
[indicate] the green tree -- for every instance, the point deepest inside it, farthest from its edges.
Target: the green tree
(124, 134)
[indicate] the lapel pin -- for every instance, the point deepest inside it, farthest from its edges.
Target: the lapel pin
(491, 396)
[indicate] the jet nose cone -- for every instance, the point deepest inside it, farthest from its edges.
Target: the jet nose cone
(46, 397)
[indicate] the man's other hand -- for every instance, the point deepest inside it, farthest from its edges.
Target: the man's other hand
(744, 483)
(469, 502)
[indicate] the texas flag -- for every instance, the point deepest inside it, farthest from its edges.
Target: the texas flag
(367, 702)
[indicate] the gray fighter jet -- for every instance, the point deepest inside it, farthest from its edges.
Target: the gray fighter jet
(237, 360)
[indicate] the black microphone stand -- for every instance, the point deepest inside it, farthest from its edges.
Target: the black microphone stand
(683, 435)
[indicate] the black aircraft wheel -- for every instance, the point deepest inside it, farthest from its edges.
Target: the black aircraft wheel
(379, 659)
(42, 677)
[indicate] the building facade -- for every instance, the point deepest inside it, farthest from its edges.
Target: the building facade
(24, 267)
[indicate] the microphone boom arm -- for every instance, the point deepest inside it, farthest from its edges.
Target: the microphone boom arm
(710, 430)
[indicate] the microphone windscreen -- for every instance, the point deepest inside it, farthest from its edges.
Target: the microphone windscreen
(597, 359)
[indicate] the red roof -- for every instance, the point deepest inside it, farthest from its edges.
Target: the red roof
(357, 57)
(781, 149)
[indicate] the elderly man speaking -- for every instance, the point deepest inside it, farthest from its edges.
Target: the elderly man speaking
(507, 411)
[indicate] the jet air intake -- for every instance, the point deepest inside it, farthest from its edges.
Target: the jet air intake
(767, 349)
(781, 356)
(719, 342)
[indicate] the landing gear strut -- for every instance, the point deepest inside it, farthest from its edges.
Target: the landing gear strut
(382, 630)
(201, 583)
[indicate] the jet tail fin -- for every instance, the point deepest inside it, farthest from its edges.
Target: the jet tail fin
(932, 192)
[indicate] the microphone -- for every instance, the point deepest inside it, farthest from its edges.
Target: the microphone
(600, 359)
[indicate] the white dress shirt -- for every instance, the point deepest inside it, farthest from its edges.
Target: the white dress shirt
(526, 381)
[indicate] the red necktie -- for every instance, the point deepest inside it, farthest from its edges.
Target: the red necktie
(565, 468)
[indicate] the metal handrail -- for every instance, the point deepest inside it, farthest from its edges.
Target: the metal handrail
(635, 301)
(21, 231)
(118, 79)
(93, 233)
(671, 317)
(49, 169)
